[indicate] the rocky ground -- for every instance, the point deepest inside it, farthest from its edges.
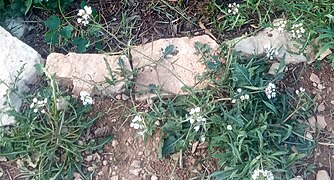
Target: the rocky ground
(128, 157)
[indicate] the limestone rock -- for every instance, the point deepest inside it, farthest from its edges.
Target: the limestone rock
(15, 55)
(321, 122)
(168, 72)
(88, 72)
(322, 175)
(274, 39)
(314, 78)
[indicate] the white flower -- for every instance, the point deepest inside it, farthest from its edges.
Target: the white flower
(297, 30)
(84, 14)
(229, 127)
(35, 110)
(234, 101)
(81, 12)
(79, 20)
(302, 89)
(34, 100)
(246, 96)
(43, 111)
(260, 174)
(242, 98)
(270, 90)
(85, 98)
(239, 90)
(196, 128)
(270, 51)
(137, 118)
(88, 10)
(195, 110)
(137, 122)
(202, 138)
(280, 25)
(233, 8)
(201, 119)
(32, 105)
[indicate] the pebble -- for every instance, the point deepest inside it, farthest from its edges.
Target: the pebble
(1, 172)
(321, 121)
(194, 147)
(154, 177)
(321, 107)
(323, 175)
(314, 78)
(100, 173)
(140, 153)
(315, 84)
(135, 164)
(105, 163)
(118, 96)
(297, 178)
(199, 167)
(332, 102)
(114, 178)
(114, 143)
(321, 87)
(135, 172)
(147, 153)
(309, 135)
(125, 97)
(312, 121)
(3, 159)
(90, 168)
(89, 158)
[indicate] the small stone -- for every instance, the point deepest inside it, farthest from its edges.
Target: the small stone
(332, 102)
(90, 168)
(100, 173)
(114, 143)
(114, 178)
(118, 96)
(125, 97)
(105, 169)
(323, 175)
(135, 164)
(321, 87)
(3, 159)
(312, 121)
(194, 147)
(321, 107)
(140, 153)
(105, 163)
(314, 78)
(309, 136)
(135, 172)
(154, 177)
(89, 158)
(315, 84)
(321, 121)
(199, 167)
(113, 173)
(76, 175)
(297, 178)
(147, 152)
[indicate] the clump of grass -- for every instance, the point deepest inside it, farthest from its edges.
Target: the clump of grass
(48, 139)
(250, 122)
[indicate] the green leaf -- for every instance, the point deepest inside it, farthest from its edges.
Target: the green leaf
(53, 23)
(168, 145)
(80, 43)
(2, 4)
(51, 37)
(242, 75)
(168, 50)
(270, 106)
(66, 31)
(28, 4)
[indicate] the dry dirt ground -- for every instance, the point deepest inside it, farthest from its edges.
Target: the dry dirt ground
(129, 157)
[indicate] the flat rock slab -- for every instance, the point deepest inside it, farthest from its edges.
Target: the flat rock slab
(88, 72)
(168, 72)
(15, 55)
(273, 38)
